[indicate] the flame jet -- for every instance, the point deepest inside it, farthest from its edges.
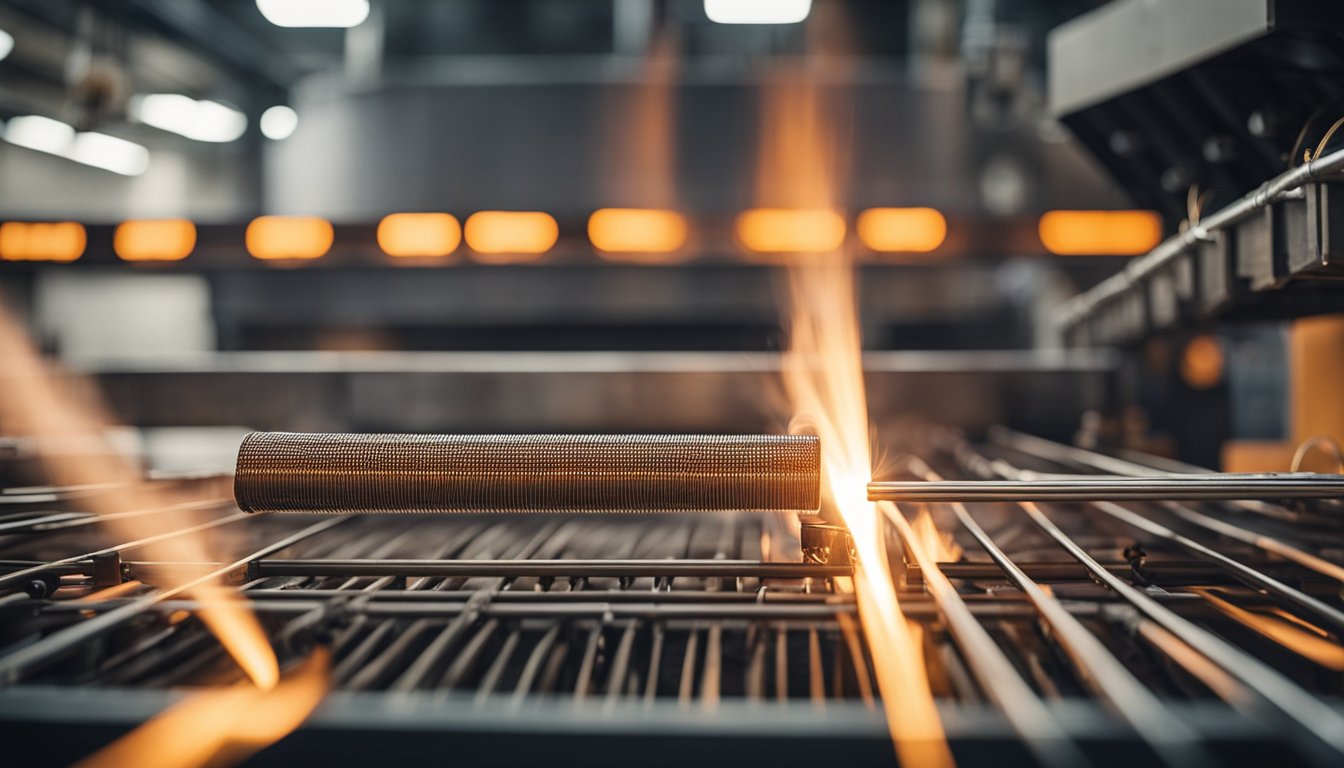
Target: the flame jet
(56, 410)
(801, 168)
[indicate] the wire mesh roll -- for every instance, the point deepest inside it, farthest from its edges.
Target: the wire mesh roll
(354, 473)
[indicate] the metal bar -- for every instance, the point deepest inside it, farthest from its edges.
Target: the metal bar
(1100, 671)
(492, 675)
(1078, 307)
(547, 568)
(1288, 485)
(988, 608)
(351, 473)
(620, 664)
(1167, 572)
(555, 596)
(533, 664)
(686, 689)
(1025, 712)
(713, 672)
(655, 663)
(452, 677)
(585, 677)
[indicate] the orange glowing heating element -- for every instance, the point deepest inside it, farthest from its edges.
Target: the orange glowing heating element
(289, 237)
(1202, 363)
(902, 230)
(501, 237)
(637, 230)
(1100, 233)
(789, 230)
(157, 240)
(419, 235)
(59, 241)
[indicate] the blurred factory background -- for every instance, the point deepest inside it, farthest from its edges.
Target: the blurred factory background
(460, 178)
(1097, 250)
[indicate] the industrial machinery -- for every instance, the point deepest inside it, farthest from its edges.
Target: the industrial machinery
(555, 510)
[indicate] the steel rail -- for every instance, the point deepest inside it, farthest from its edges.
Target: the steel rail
(1259, 683)
(1019, 704)
(15, 665)
(1169, 736)
(547, 568)
(1289, 485)
(1075, 309)
(532, 605)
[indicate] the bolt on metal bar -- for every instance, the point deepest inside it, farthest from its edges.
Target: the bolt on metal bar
(1290, 485)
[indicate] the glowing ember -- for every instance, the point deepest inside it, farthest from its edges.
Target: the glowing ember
(221, 726)
(823, 375)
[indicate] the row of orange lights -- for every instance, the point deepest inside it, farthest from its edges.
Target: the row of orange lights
(636, 234)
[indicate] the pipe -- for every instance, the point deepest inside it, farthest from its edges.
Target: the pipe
(351, 474)
(1215, 487)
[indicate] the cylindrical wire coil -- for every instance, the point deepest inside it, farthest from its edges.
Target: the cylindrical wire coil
(350, 474)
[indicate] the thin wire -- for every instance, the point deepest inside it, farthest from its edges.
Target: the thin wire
(1330, 134)
(1324, 441)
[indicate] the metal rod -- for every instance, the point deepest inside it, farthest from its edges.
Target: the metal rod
(1290, 485)
(352, 473)
(1078, 307)
(548, 568)
(599, 604)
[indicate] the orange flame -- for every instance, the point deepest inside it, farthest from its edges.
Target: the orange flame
(35, 401)
(939, 544)
(221, 726)
(823, 376)
(1304, 639)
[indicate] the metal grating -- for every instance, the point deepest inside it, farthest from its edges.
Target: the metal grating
(1189, 631)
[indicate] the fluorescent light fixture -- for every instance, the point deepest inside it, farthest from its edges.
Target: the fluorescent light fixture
(756, 11)
(40, 133)
(96, 149)
(6, 44)
(314, 13)
(279, 122)
(202, 120)
(110, 153)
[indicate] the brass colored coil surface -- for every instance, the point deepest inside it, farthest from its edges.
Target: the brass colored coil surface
(354, 473)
